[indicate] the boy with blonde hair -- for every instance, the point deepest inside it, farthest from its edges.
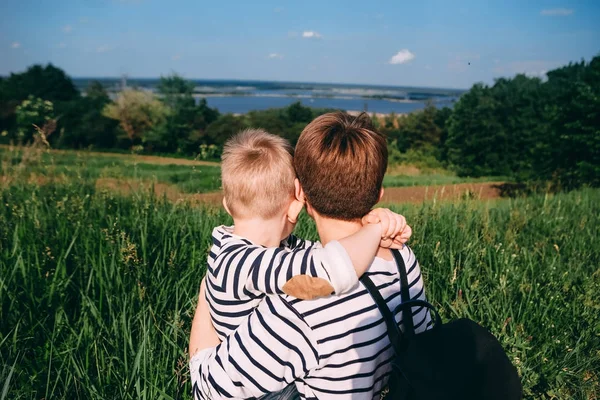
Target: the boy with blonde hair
(259, 256)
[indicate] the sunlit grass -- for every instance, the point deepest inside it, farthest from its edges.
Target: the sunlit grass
(97, 290)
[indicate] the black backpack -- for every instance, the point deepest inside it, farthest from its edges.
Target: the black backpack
(457, 360)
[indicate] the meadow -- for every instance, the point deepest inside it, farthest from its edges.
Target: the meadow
(97, 289)
(186, 175)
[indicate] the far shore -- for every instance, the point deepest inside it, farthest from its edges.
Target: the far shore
(353, 113)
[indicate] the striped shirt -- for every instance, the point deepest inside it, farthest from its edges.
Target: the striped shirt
(240, 273)
(332, 348)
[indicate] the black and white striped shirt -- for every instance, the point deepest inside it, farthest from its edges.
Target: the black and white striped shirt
(332, 348)
(240, 273)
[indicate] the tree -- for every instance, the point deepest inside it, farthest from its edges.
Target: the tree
(31, 113)
(138, 113)
(47, 83)
(492, 130)
(82, 123)
(296, 112)
(184, 128)
(222, 129)
(570, 153)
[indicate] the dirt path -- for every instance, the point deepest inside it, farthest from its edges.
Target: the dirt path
(130, 157)
(412, 194)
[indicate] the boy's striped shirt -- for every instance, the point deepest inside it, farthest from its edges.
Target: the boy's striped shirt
(332, 348)
(240, 273)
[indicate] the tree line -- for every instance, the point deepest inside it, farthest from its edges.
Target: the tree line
(524, 128)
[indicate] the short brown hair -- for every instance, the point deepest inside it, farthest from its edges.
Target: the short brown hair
(340, 161)
(257, 174)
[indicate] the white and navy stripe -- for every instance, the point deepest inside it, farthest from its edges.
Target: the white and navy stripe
(332, 348)
(240, 273)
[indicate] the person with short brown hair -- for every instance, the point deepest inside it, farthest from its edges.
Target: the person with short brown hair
(340, 161)
(333, 347)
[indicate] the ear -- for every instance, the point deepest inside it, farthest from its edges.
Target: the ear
(225, 206)
(381, 194)
(294, 210)
(299, 192)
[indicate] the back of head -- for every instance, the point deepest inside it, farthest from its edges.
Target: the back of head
(340, 161)
(257, 174)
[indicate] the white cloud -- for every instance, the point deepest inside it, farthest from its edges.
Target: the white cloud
(104, 48)
(176, 57)
(67, 29)
(15, 45)
(554, 12)
(311, 35)
(402, 57)
(275, 55)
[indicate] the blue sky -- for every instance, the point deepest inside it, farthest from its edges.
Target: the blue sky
(417, 43)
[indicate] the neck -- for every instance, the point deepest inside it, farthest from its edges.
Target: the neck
(260, 231)
(334, 229)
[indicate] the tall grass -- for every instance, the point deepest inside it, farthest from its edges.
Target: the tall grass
(97, 291)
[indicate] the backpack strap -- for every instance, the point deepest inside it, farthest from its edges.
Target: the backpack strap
(393, 331)
(407, 318)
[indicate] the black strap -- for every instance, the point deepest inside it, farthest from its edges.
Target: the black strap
(393, 330)
(397, 338)
(407, 320)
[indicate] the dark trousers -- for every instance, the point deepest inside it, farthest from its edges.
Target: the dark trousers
(289, 393)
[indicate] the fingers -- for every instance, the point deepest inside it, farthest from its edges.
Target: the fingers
(405, 234)
(400, 224)
(387, 243)
(370, 218)
(393, 223)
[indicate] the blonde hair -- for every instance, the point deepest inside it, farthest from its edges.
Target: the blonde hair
(257, 174)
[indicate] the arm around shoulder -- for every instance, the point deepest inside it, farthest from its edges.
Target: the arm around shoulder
(265, 354)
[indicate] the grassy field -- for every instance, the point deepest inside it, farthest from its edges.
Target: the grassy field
(184, 175)
(97, 290)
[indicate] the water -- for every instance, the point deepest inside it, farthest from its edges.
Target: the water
(243, 104)
(231, 96)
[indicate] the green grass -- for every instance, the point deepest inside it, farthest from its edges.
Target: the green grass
(97, 290)
(77, 166)
(433, 179)
(188, 179)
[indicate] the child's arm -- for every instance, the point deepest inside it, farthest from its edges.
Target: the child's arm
(202, 331)
(354, 253)
(305, 273)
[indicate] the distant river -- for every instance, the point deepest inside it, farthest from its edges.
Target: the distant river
(237, 96)
(243, 104)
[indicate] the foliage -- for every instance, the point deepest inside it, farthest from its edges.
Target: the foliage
(83, 124)
(531, 130)
(138, 113)
(47, 83)
(97, 290)
(570, 152)
(186, 122)
(222, 129)
(31, 113)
